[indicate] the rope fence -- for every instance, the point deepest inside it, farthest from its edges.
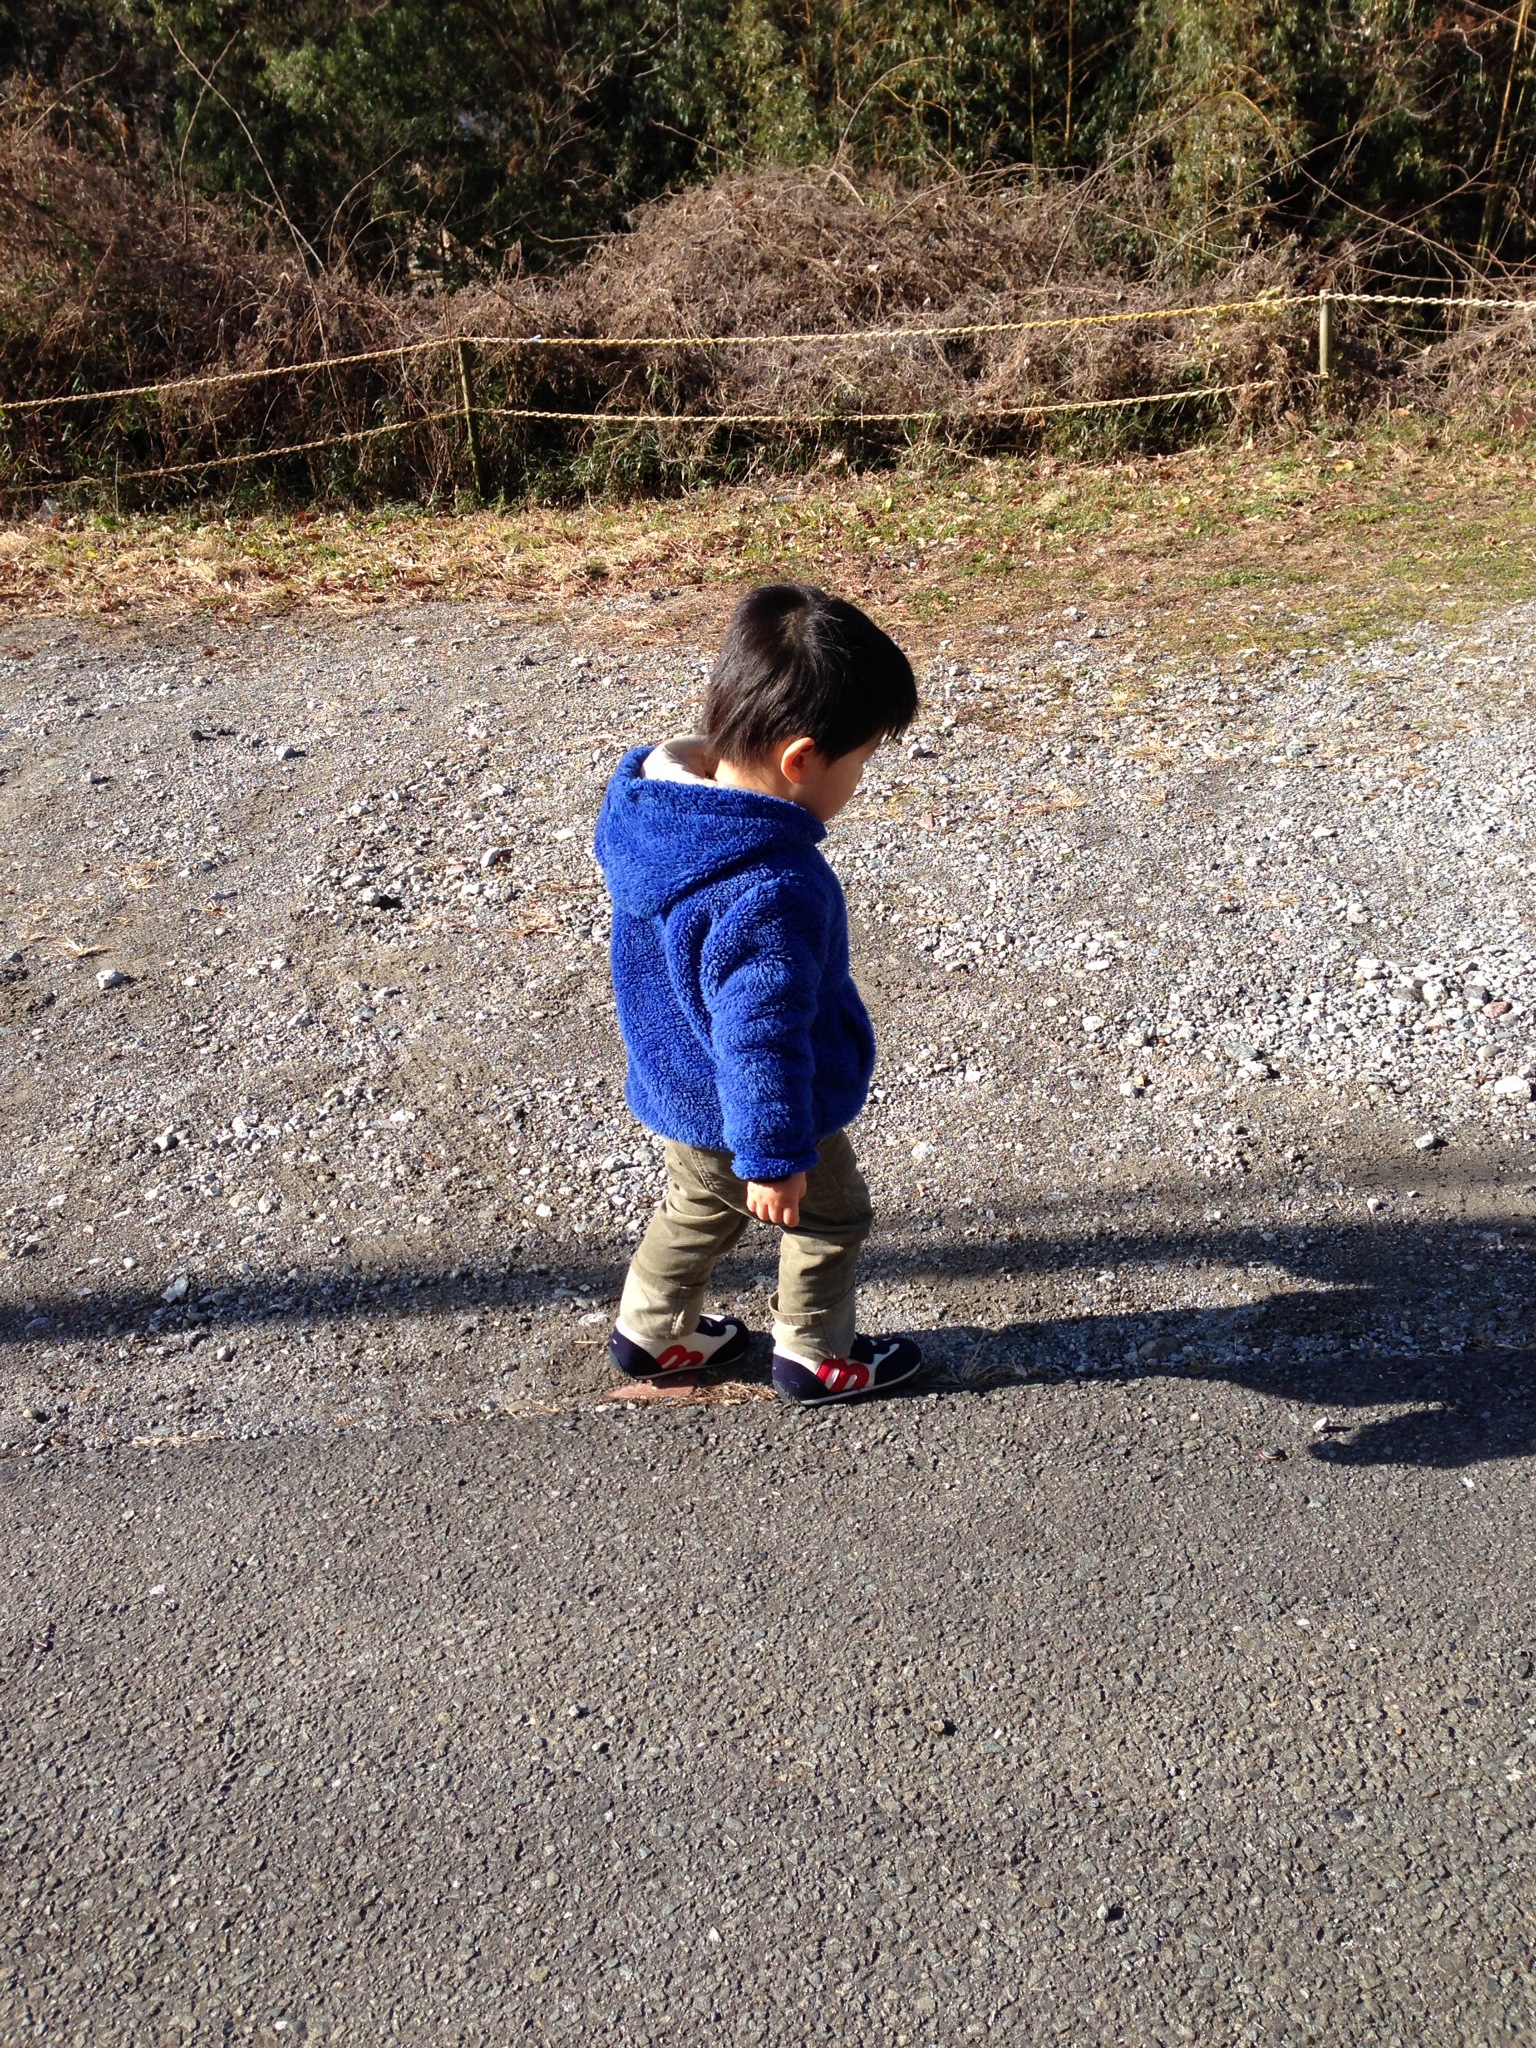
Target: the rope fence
(822, 337)
(1419, 299)
(469, 412)
(431, 419)
(956, 415)
(938, 416)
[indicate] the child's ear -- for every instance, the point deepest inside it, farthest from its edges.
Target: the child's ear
(795, 759)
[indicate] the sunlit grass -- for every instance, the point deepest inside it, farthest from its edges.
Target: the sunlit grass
(1267, 547)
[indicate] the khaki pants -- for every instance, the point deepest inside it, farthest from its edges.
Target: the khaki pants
(704, 1215)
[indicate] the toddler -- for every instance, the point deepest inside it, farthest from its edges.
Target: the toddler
(749, 1047)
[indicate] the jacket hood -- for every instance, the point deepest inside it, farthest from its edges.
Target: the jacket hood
(658, 841)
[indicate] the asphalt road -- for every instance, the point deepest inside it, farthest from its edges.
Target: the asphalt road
(1048, 1713)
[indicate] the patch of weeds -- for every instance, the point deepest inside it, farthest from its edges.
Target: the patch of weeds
(1304, 540)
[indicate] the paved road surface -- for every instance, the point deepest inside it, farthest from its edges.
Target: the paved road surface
(1054, 1713)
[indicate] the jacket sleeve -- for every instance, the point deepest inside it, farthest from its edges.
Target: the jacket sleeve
(761, 973)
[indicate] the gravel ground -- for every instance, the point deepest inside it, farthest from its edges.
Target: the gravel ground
(1161, 1675)
(1203, 998)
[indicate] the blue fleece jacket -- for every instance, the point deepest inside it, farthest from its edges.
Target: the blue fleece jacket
(744, 1030)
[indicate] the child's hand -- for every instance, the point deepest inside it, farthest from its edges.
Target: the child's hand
(776, 1201)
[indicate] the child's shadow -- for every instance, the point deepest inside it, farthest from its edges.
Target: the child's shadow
(1454, 1408)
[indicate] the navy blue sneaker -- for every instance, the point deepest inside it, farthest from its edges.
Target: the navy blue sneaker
(719, 1340)
(873, 1365)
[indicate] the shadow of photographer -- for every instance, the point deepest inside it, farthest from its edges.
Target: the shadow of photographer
(1412, 1339)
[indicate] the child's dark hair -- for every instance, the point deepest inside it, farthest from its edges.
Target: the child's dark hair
(798, 662)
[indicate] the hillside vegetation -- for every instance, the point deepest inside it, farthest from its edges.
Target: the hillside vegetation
(188, 187)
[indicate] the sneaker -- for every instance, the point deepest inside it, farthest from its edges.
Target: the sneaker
(873, 1365)
(718, 1340)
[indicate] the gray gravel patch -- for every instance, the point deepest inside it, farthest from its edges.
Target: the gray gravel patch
(1203, 994)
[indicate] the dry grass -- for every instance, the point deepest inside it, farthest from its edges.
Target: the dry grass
(106, 281)
(1205, 550)
(808, 251)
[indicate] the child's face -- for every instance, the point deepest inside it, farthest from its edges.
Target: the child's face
(823, 787)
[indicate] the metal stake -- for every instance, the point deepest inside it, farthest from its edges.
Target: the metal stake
(1324, 337)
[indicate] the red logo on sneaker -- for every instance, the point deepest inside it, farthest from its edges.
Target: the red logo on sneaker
(678, 1358)
(839, 1376)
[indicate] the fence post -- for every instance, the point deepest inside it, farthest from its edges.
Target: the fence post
(471, 424)
(1324, 337)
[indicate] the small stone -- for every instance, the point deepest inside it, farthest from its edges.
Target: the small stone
(922, 1150)
(493, 856)
(1513, 1088)
(111, 977)
(1497, 1008)
(167, 1141)
(1272, 1454)
(1375, 1204)
(1091, 1025)
(177, 1291)
(289, 752)
(1428, 1141)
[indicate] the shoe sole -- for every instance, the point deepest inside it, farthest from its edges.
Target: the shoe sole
(849, 1393)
